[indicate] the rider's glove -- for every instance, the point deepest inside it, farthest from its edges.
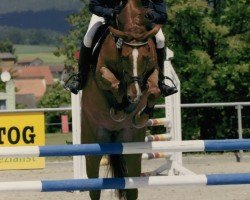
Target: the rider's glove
(156, 18)
(118, 9)
(111, 14)
(111, 18)
(151, 16)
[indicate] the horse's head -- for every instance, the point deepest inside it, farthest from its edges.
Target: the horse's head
(137, 66)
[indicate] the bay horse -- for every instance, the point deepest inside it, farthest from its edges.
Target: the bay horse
(120, 93)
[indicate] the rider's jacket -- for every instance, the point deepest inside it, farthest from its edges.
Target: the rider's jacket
(104, 8)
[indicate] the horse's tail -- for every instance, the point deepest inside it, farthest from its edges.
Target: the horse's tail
(118, 170)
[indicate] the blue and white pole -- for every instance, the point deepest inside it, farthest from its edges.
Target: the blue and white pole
(124, 183)
(126, 148)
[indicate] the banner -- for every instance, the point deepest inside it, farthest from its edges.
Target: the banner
(22, 129)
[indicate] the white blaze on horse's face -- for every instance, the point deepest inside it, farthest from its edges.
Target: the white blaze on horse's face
(135, 55)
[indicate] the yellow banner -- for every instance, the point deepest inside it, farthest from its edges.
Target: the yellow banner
(22, 129)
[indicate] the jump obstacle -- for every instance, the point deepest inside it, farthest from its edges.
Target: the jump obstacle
(158, 137)
(149, 156)
(124, 183)
(126, 148)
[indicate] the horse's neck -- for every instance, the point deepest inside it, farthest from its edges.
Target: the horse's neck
(131, 15)
(135, 3)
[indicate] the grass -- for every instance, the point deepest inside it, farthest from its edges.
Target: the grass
(58, 138)
(25, 49)
(36, 51)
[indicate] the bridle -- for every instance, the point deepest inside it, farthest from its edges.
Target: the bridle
(137, 44)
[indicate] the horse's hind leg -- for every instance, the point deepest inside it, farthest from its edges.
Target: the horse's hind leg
(92, 165)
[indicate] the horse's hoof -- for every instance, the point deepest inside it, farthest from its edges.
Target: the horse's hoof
(140, 121)
(117, 116)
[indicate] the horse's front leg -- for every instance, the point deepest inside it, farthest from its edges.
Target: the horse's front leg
(92, 162)
(89, 135)
(133, 166)
(93, 165)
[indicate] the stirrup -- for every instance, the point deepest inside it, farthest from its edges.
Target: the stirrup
(71, 84)
(168, 90)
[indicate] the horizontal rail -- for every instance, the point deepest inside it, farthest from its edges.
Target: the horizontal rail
(201, 105)
(191, 105)
(37, 110)
(124, 183)
(126, 148)
(158, 137)
(158, 122)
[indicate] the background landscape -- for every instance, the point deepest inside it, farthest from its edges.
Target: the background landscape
(210, 41)
(35, 22)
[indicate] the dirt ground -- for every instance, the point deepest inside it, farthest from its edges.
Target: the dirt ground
(200, 164)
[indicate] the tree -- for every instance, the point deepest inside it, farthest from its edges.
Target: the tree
(211, 48)
(7, 46)
(2, 84)
(55, 97)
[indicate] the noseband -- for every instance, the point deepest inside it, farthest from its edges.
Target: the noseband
(138, 44)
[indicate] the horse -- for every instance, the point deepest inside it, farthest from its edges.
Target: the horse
(120, 94)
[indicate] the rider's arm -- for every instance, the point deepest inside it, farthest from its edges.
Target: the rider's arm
(98, 7)
(159, 11)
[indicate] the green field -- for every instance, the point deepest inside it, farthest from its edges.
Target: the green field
(58, 139)
(45, 53)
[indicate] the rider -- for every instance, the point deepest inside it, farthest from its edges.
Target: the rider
(106, 11)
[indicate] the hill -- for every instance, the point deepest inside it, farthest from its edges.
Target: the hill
(47, 19)
(9, 6)
(35, 21)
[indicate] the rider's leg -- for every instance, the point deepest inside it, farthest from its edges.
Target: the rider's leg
(85, 54)
(161, 56)
(161, 53)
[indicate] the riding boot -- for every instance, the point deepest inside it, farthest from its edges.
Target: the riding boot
(79, 80)
(165, 89)
(84, 64)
